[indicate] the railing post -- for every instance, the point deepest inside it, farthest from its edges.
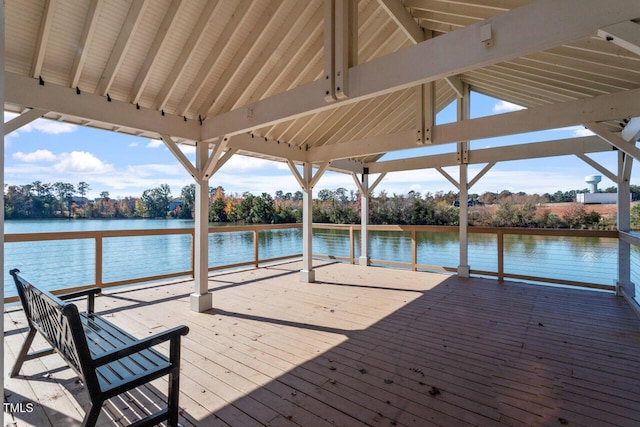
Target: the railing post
(500, 237)
(98, 272)
(352, 248)
(256, 239)
(193, 251)
(414, 250)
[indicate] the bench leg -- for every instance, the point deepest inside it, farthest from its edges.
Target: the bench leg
(91, 417)
(24, 351)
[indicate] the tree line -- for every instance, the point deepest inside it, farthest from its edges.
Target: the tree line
(339, 206)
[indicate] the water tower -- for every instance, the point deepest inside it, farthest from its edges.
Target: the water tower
(593, 181)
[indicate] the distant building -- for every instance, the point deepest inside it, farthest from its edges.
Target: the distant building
(80, 201)
(598, 198)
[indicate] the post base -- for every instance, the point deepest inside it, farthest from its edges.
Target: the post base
(363, 260)
(464, 270)
(201, 303)
(622, 288)
(308, 276)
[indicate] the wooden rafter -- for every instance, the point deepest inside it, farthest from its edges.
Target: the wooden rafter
(43, 37)
(85, 41)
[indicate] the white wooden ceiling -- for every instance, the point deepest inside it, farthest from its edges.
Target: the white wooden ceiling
(182, 67)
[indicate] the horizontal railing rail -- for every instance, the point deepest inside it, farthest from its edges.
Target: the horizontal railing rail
(98, 238)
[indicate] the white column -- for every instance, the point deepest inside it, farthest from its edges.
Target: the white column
(463, 150)
(463, 268)
(307, 274)
(364, 221)
(624, 224)
(201, 298)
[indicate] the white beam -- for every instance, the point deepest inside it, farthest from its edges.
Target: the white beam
(223, 159)
(329, 50)
(570, 113)
(403, 19)
(175, 150)
(162, 35)
(43, 37)
(296, 174)
(358, 183)
(449, 178)
(624, 34)
(214, 158)
(456, 84)
(321, 170)
(376, 182)
(258, 145)
(27, 92)
(537, 26)
(597, 166)
(346, 166)
(187, 52)
(425, 112)
(631, 131)
(85, 40)
(125, 37)
(346, 44)
(534, 150)
(22, 120)
(617, 141)
(480, 174)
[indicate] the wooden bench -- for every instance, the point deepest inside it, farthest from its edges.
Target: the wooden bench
(107, 359)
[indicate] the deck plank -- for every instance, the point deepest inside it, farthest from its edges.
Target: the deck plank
(366, 346)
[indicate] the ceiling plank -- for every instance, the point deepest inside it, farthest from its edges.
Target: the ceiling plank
(230, 29)
(162, 36)
(85, 40)
(537, 26)
(187, 52)
(268, 18)
(43, 37)
(125, 37)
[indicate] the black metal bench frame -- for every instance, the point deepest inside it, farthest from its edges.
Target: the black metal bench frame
(107, 359)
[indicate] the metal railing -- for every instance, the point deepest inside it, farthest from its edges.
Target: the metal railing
(100, 247)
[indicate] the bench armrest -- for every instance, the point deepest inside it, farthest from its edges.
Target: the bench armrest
(90, 293)
(143, 344)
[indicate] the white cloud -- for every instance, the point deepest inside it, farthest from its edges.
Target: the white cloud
(133, 144)
(35, 156)
(505, 107)
(81, 162)
(155, 143)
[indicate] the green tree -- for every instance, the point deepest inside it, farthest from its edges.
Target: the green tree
(188, 196)
(156, 201)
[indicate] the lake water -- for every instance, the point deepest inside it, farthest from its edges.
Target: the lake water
(71, 263)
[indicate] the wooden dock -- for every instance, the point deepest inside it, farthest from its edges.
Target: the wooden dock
(364, 347)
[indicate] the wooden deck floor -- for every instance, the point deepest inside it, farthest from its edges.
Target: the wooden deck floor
(365, 346)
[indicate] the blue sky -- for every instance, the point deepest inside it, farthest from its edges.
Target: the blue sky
(124, 165)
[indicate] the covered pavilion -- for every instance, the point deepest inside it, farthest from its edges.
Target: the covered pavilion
(334, 85)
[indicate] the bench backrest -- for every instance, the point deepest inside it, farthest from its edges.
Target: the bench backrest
(57, 321)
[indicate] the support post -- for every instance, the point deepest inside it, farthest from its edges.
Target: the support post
(307, 274)
(201, 299)
(624, 284)
(463, 159)
(364, 220)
